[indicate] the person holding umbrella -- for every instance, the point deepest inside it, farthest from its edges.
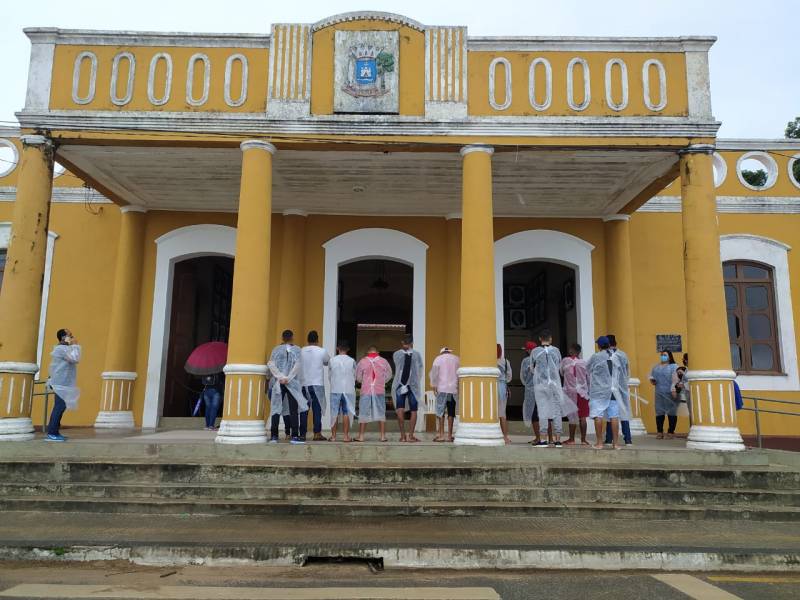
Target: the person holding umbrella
(207, 361)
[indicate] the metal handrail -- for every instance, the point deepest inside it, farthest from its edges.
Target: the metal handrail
(758, 411)
(46, 393)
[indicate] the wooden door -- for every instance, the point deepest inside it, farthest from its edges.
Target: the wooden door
(178, 399)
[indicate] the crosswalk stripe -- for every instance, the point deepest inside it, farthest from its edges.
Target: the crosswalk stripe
(694, 587)
(125, 592)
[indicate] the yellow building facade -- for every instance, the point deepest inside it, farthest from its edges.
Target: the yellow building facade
(366, 175)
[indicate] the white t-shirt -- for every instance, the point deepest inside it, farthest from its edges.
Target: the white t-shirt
(312, 359)
(343, 374)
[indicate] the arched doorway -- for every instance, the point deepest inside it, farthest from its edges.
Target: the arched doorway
(543, 255)
(200, 312)
(375, 305)
(537, 296)
(172, 248)
(403, 257)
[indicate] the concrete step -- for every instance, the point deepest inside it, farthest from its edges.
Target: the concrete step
(394, 494)
(370, 508)
(155, 448)
(293, 474)
(417, 542)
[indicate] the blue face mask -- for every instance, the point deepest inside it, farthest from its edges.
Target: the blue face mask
(664, 358)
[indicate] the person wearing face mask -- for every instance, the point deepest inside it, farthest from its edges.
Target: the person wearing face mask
(666, 405)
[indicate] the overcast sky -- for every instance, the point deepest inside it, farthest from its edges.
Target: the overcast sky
(755, 77)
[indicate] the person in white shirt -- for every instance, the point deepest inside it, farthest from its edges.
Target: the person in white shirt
(313, 359)
(342, 373)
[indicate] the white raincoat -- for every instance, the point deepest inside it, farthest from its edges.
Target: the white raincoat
(551, 401)
(414, 376)
(64, 372)
(605, 383)
(284, 363)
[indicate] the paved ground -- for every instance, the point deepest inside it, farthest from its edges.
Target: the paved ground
(349, 581)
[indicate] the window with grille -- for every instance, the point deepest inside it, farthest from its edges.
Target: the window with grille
(752, 321)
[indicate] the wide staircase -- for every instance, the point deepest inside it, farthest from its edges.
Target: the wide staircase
(387, 480)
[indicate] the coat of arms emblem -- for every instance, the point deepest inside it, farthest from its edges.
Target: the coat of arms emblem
(366, 72)
(367, 68)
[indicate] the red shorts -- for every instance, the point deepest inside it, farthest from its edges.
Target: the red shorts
(583, 407)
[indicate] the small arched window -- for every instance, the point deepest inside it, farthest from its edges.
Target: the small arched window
(752, 320)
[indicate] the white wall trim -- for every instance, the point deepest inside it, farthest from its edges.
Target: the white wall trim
(758, 205)
(172, 247)
(774, 253)
(550, 246)
(124, 375)
(5, 237)
(7, 167)
(372, 243)
(769, 164)
(790, 170)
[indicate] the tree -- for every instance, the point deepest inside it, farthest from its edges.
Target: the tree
(385, 62)
(755, 178)
(793, 128)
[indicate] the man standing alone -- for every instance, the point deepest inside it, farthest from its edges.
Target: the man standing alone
(406, 386)
(312, 359)
(63, 373)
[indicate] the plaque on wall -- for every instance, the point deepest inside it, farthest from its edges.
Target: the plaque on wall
(365, 72)
(668, 342)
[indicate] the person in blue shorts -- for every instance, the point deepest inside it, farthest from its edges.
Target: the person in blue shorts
(606, 400)
(406, 387)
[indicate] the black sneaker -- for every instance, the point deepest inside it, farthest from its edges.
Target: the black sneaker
(541, 444)
(557, 445)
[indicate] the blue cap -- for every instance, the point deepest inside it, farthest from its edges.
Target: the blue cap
(602, 341)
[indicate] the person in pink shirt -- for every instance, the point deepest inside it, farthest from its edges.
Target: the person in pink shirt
(444, 381)
(576, 387)
(372, 372)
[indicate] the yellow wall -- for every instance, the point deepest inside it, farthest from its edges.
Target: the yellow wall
(674, 65)
(64, 60)
(85, 254)
(659, 305)
(80, 293)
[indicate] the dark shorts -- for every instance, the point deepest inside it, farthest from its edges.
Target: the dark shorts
(400, 402)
